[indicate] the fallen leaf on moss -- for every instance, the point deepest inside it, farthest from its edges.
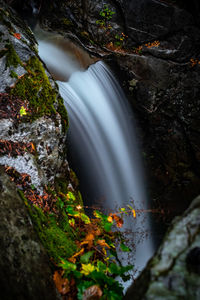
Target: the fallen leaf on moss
(62, 284)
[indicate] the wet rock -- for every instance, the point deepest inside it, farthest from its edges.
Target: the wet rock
(32, 134)
(24, 266)
(173, 273)
(46, 133)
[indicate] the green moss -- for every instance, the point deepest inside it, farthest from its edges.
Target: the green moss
(13, 74)
(54, 231)
(35, 87)
(63, 112)
(12, 58)
(61, 185)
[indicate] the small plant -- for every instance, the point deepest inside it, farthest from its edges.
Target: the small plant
(22, 111)
(106, 13)
(138, 50)
(194, 62)
(119, 39)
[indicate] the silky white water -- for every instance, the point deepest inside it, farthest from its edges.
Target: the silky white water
(103, 144)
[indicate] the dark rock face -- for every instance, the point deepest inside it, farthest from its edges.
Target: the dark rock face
(24, 266)
(25, 269)
(173, 273)
(161, 82)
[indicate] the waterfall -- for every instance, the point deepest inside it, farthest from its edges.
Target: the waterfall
(103, 145)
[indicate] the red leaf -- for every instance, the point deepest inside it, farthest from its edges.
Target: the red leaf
(17, 35)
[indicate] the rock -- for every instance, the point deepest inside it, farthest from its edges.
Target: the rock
(24, 266)
(33, 123)
(160, 55)
(41, 124)
(173, 273)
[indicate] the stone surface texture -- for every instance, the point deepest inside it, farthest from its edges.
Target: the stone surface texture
(174, 272)
(25, 271)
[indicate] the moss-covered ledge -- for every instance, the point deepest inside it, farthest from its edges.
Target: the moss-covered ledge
(25, 272)
(33, 124)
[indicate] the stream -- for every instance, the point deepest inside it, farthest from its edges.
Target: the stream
(102, 144)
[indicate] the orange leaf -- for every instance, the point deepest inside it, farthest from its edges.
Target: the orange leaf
(17, 36)
(32, 146)
(73, 258)
(88, 240)
(62, 284)
(118, 220)
(134, 213)
(103, 243)
(110, 219)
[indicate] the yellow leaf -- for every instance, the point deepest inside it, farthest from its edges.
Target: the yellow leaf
(110, 219)
(87, 269)
(22, 111)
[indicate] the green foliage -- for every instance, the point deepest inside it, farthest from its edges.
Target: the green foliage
(106, 12)
(106, 15)
(83, 247)
(84, 259)
(35, 87)
(124, 248)
(119, 39)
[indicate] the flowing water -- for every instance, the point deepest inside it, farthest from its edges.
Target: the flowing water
(103, 146)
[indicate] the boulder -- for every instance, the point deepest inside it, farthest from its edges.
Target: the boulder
(173, 273)
(25, 270)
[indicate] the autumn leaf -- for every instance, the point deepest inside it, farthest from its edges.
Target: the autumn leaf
(88, 240)
(134, 213)
(118, 220)
(73, 258)
(32, 146)
(22, 111)
(103, 243)
(110, 219)
(62, 284)
(17, 36)
(87, 269)
(93, 292)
